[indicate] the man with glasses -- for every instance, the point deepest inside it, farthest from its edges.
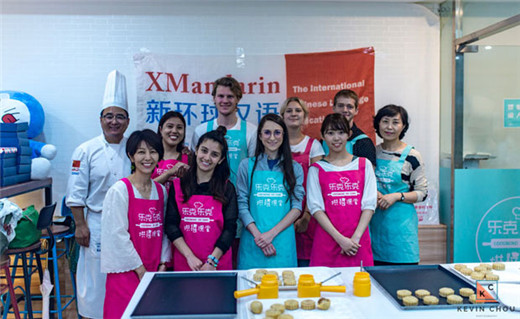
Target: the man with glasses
(96, 165)
(358, 143)
(240, 136)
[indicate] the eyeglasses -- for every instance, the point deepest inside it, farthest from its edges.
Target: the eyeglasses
(118, 117)
(268, 133)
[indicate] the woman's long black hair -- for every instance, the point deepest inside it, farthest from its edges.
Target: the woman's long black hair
(217, 183)
(284, 153)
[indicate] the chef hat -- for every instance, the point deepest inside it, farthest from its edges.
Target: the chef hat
(115, 91)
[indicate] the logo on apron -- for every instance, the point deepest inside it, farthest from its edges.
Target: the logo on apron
(344, 189)
(151, 221)
(268, 192)
(201, 215)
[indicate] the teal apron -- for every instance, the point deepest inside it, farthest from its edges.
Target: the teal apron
(394, 231)
(237, 151)
(268, 203)
(349, 146)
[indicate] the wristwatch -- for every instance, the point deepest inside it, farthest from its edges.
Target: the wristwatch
(402, 197)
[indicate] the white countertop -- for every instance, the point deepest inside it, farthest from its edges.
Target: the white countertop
(378, 305)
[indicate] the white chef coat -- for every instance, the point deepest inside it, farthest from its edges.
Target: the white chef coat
(118, 253)
(96, 166)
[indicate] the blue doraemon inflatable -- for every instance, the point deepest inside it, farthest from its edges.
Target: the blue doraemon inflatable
(20, 107)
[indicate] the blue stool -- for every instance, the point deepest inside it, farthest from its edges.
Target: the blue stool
(60, 232)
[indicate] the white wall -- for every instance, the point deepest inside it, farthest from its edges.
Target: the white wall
(61, 53)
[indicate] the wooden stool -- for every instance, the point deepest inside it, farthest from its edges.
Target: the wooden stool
(4, 265)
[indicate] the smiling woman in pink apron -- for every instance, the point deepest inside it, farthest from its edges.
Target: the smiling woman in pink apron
(306, 151)
(172, 130)
(342, 197)
(400, 183)
(270, 194)
(202, 208)
(132, 225)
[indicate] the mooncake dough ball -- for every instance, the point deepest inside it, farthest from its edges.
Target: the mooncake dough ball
(261, 271)
(287, 273)
(258, 277)
(487, 266)
(289, 282)
(446, 291)
(473, 298)
(466, 292)
(272, 313)
(480, 269)
(278, 307)
(272, 272)
(492, 276)
(466, 271)
(454, 299)
(256, 307)
(323, 304)
(401, 293)
(459, 266)
(430, 300)
(291, 304)
(477, 275)
(308, 304)
(410, 301)
(499, 266)
(421, 293)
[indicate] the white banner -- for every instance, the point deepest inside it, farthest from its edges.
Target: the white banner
(184, 84)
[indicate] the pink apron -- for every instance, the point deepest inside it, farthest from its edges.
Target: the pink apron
(165, 165)
(145, 225)
(201, 224)
(342, 194)
(304, 240)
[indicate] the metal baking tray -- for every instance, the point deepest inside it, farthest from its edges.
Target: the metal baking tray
(429, 277)
(189, 295)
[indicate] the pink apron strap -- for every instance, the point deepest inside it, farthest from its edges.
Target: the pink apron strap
(159, 192)
(309, 146)
(184, 158)
(129, 187)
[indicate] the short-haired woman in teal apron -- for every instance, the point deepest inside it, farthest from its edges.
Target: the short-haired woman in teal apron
(400, 183)
(270, 194)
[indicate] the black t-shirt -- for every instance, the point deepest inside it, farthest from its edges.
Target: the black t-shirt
(363, 147)
(229, 211)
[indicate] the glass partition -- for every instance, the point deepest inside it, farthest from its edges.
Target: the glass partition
(485, 135)
(478, 14)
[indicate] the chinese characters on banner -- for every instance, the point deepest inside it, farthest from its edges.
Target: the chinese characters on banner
(184, 84)
(486, 230)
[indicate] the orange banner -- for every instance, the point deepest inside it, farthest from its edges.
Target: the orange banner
(316, 77)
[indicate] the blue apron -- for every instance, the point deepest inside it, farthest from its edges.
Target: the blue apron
(269, 202)
(237, 151)
(394, 231)
(237, 147)
(349, 146)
